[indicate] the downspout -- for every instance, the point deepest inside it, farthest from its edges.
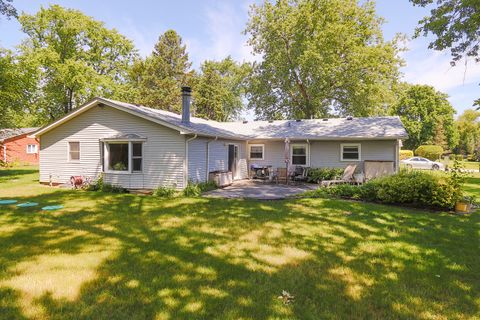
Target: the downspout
(309, 154)
(5, 153)
(208, 158)
(185, 177)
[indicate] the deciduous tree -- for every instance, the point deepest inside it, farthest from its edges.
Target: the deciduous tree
(320, 58)
(468, 126)
(427, 115)
(219, 89)
(76, 57)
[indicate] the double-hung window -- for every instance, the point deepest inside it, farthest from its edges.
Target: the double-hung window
(74, 151)
(124, 156)
(256, 151)
(350, 152)
(32, 148)
(299, 154)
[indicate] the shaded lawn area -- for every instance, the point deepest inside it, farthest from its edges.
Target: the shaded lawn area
(138, 257)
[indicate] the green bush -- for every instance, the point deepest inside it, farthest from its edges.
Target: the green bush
(405, 154)
(100, 185)
(430, 152)
(316, 175)
(413, 188)
(165, 192)
(196, 189)
(459, 157)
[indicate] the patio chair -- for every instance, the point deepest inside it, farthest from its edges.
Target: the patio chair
(300, 174)
(347, 177)
(281, 175)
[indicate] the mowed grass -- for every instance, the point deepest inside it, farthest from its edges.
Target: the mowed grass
(139, 257)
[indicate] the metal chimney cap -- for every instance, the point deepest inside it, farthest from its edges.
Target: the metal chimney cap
(186, 89)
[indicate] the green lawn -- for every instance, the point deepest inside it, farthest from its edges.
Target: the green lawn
(138, 257)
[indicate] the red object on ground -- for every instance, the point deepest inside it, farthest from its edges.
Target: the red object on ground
(76, 181)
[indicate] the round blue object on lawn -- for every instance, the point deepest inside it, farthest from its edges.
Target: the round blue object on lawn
(54, 207)
(27, 204)
(8, 201)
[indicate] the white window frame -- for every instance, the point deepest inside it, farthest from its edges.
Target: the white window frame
(307, 154)
(35, 148)
(79, 151)
(106, 156)
(256, 145)
(358, 145)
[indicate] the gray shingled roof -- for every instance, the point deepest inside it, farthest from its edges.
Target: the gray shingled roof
(10, 133)
(332, 128)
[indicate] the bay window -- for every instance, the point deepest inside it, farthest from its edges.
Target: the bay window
(123, 156)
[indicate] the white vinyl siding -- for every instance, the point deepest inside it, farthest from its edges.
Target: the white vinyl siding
(163, 151)
(327, 153)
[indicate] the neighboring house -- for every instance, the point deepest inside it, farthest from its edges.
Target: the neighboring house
(139, 147)
(16, 146)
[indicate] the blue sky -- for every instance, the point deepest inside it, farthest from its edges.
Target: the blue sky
(212, 29)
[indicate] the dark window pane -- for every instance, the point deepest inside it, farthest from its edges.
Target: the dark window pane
(137, 149)
(299, 150)
(350, 156)
(350, 149)
(299, 160)
(118, 157)
(137, 164)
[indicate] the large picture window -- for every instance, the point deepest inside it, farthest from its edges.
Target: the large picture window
(124, 156)
(350, 152)
(299, 154)
(256, 151)
(118, 156)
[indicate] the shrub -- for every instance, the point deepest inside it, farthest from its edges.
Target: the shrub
(430, 152)
(316, 175)
(459, 157)
(196, 189)
(414, 188)
(165, 192)
(405, 154)
(100, 185)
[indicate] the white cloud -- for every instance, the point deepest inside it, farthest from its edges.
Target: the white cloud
(433, 68)
(224, 23)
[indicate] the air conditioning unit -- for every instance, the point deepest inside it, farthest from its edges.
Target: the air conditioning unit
(221, 177)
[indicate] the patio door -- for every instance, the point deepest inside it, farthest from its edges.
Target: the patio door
(233, 159)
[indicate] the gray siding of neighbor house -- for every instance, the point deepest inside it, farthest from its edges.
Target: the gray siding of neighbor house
(218, 158)
(327, 153)
(163, 152)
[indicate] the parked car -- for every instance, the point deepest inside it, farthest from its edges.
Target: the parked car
(422, 163)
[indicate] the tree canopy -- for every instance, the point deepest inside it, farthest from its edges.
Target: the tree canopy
(7, 9)
(75, 57)
(468, 126)
(427, 115)
(320, 58)
(156, 80)
(219, 89)
(455, 25)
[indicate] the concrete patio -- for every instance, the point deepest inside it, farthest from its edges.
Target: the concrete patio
(256, 189)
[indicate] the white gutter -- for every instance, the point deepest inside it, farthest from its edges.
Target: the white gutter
(5, 153)
(185, 167)
(208, 158)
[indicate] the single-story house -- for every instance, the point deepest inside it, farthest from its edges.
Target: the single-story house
(138, 147)
(16, 146)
